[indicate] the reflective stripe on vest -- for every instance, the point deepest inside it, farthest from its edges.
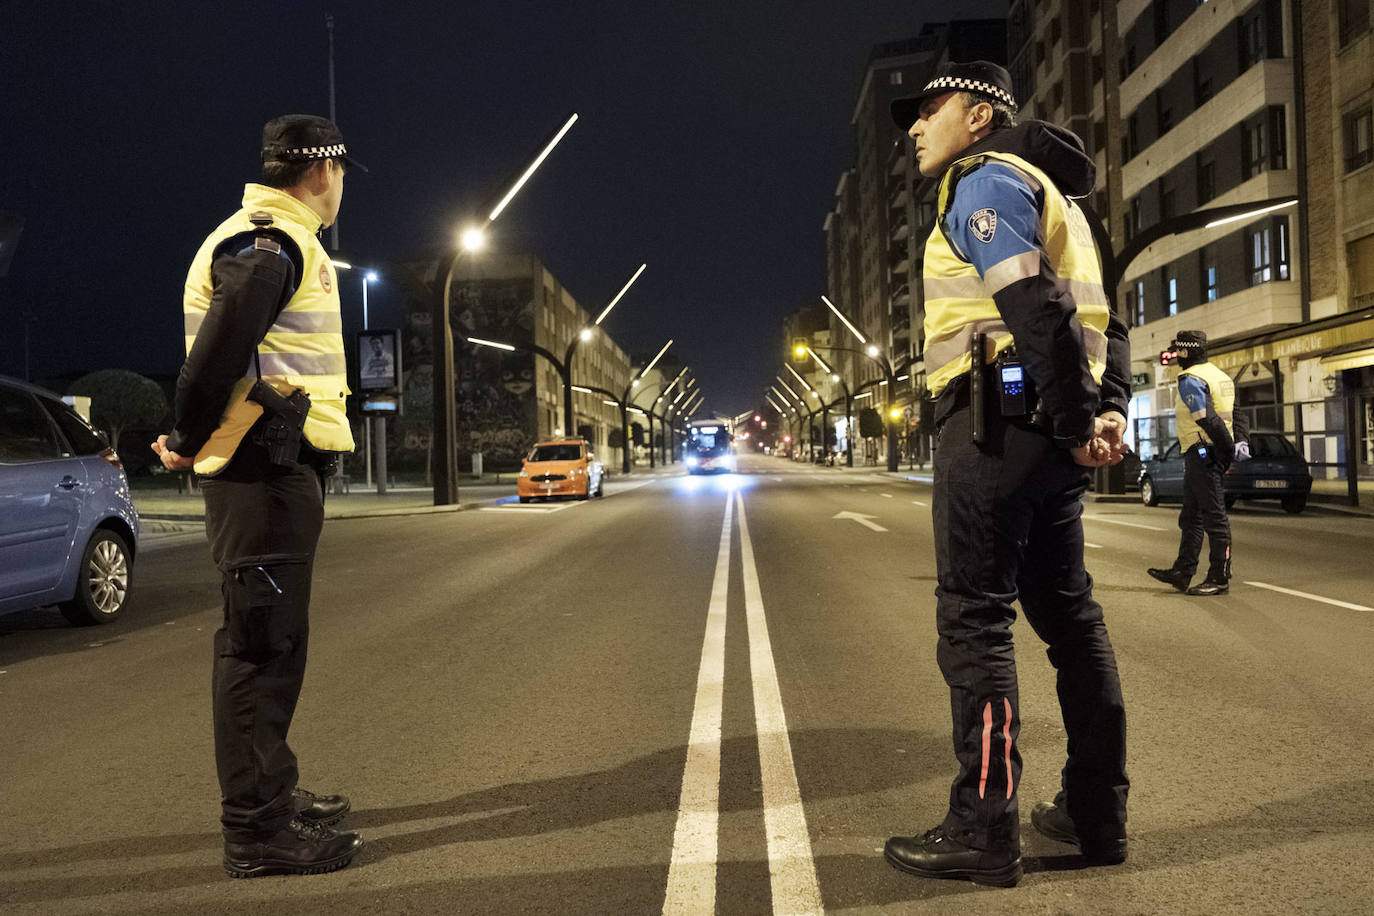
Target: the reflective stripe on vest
(1223, 392)
(959, 302)
(304, 347)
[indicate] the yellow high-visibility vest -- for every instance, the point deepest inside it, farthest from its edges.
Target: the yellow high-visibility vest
(1223, 400)
(959, 302)
(304, 348)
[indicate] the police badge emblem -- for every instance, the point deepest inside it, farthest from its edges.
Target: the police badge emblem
(983, 224)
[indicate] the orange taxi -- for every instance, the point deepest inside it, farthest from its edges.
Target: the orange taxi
(560, 467)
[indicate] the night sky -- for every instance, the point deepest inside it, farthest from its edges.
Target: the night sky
(711, 136)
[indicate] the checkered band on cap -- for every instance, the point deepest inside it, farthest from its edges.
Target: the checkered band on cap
(333, 151)
(964, 84)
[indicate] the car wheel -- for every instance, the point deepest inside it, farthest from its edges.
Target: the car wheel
(102, 586)
(1294, 504)
(524, 499)
(1148, 495)
(601, 488)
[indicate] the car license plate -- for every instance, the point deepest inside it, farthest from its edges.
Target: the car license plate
(1271, 484)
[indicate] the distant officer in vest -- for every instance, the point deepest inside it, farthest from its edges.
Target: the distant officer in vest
(259, 414)
(1029, 370)
(1204, 417)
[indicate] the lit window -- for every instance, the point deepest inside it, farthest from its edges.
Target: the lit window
(1257, 242)
(1171, 285)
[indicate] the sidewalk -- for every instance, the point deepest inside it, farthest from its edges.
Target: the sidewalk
(166, 510)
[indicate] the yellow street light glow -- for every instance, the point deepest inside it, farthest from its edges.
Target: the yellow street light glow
(853, 330)
(472, 239)
(1250, 215)
(835, 377)
(860, 397)
(581, 389)
(903, 378)
(607, 310)
(872, 351)
(781, 395)
(341, 265)
(490, 343)
(895, 413)
(585, 334)
(520, 182)
(681, 394)
(638, 411)
(612, 403)
(653, 362)
(800, 350)
(882, 383)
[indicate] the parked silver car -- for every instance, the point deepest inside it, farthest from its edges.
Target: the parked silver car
(68, 529)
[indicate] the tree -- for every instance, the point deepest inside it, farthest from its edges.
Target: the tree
(122, 400)
(870, 423)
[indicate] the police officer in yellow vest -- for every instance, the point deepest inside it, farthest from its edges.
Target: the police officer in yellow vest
(1204, 416)
(259, 414)
(1029, 370)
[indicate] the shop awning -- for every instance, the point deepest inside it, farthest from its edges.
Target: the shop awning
(1328, 336)
(1348, 359)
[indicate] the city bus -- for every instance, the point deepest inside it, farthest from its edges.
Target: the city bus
(710, 447)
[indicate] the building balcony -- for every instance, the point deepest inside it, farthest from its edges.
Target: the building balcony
(1269, 82)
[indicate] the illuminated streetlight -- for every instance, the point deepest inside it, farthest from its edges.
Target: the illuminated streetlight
(520, 182)
(472, 239)
(847, 323)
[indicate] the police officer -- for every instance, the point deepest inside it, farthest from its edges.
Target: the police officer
(261, 295)
(1029, 370)
(1204, 417)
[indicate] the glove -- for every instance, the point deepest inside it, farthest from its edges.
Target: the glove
(1242, 451)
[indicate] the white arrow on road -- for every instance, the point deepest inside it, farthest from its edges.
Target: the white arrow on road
(862, 520)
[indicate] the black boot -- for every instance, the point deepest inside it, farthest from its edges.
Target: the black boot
(1177, 578)
(1209, 587)
(300, 848)
(322, 810)
(1104, 845)
(935, 855)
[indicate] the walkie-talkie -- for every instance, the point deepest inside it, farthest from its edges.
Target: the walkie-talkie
(975, 387)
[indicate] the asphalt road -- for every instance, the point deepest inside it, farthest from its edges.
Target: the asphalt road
(698, 694)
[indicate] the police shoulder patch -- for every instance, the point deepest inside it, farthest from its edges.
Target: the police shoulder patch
(983, 224)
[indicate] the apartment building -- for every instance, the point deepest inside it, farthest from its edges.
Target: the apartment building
(884, 210)
(508, 398)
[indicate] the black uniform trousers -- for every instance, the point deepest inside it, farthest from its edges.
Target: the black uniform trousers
(1204, 510)
(263, 522)
(1008, 525)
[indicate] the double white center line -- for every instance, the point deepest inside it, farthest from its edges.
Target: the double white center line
(692, 874)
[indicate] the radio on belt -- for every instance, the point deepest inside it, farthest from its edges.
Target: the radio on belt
(1013, 384)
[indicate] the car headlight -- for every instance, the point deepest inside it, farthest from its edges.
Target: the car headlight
(691, 462)
(524, 472)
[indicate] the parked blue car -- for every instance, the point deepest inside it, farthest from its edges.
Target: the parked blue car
(1275, 470)
(68, 529)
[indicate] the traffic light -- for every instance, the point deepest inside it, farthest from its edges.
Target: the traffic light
(799, 351)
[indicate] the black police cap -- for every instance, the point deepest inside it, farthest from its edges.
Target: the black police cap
(304, 138)
(981, 77)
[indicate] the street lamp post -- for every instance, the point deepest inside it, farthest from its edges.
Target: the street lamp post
(872, 352)
(586, 334)
(848, 416)
(445, 444)
(810, 419)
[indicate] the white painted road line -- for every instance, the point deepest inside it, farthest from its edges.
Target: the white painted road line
(1093, 546)
(528, 509)
(792, 866)
(1117, 521)
(887, 496)
(692, 873)
(917, 502)
(1297, 594)
(861, 519)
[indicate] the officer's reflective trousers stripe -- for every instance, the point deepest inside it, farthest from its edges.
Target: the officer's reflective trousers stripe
(1007, 521)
